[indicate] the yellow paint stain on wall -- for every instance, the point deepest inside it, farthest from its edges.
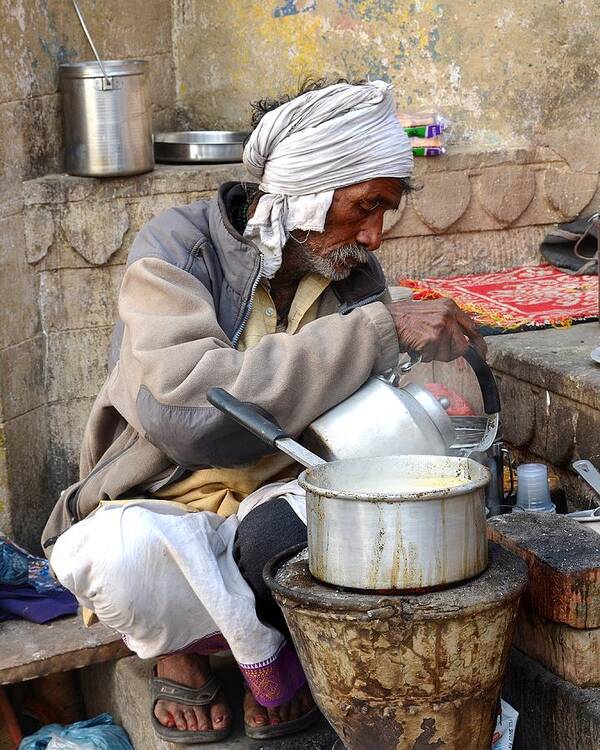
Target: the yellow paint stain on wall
(493, 71)
(299, 40)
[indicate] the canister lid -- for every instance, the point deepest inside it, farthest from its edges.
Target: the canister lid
(91, 69)
(434, 411)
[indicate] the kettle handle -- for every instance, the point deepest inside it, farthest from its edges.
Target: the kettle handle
(485, 377)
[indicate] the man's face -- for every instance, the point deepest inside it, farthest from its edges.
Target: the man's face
(353, 228)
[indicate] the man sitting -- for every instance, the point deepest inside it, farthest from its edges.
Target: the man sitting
(271, 291)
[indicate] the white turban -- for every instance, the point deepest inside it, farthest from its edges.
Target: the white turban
(305, 149)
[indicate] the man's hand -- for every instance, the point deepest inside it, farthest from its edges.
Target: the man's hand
(437, 329)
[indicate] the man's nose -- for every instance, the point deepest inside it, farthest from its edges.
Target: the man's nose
(371, 231)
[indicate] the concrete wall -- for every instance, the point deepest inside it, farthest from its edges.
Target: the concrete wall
(500, 71)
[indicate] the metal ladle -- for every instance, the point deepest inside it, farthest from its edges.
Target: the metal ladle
(108, 83)
(268, 431)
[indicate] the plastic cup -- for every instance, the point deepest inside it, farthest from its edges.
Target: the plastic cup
(533, 492)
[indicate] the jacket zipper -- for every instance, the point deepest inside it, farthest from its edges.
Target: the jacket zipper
(346, 308)
(236, 336)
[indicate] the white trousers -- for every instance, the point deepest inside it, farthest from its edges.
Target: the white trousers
(164, 579)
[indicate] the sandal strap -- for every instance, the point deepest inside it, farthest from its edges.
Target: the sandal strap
(167, 689)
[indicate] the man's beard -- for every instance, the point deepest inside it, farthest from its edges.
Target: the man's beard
(337, 265)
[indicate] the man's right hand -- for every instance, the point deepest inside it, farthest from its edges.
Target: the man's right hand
(438, 329)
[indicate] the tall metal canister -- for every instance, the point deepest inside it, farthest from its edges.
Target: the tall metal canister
(107, 119)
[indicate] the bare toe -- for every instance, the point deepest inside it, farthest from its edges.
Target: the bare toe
(284, 712)
(190, 719)
(306, 700)
(295, 709)
(180, 721)
(220, 714)
(164, 716)
(202, 719)
(254, 714)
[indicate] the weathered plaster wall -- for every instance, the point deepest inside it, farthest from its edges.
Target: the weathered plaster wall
(500, 71)
(35, 37)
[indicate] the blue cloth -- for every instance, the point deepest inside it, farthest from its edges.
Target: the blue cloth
(32, 605)
(14, 566)
(18, 567)
(98, 733)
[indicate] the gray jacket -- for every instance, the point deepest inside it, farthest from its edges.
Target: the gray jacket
(185, 298)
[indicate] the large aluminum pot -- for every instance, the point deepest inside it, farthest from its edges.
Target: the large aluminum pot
(107, 121)
(396, 522)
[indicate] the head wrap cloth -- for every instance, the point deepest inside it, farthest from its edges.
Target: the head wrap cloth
(305, 149)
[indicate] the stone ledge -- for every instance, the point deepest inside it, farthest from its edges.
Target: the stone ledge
(556, 359)
(28, 650)
(166, 178)
(172, 178)
(570, 653)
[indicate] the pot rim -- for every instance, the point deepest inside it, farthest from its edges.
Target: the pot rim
(91, 69)
(381, 497)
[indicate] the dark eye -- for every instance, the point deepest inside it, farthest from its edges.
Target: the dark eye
(366, 207)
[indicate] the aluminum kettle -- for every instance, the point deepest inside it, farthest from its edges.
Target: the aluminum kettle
(380, 419)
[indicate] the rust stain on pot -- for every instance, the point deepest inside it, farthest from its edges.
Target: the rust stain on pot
(429, 732)
(375, 731)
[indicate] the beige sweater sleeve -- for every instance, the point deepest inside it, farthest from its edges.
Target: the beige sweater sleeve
(173, 350)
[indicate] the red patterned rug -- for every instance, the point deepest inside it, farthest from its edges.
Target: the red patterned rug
(517, 299)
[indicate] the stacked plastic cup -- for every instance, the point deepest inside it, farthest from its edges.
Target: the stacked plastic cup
(533, 492)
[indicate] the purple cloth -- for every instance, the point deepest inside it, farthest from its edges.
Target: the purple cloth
(26, 602)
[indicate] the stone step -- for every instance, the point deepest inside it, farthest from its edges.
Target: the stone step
(553, 714)
(570, 653)
(563, 557)
(121, 689)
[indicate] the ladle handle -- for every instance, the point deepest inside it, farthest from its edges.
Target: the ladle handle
(90, 40)
(485, 377)
(247, 415)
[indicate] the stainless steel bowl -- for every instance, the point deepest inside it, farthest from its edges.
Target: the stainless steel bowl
(200, 147)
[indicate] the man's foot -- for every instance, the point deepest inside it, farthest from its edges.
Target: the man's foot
(192, 671)
(258, 717)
